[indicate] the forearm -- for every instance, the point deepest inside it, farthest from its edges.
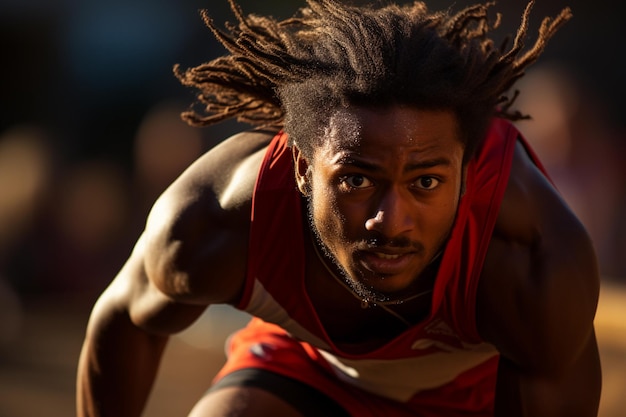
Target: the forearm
(117, 367)
(575, 392)
(127, 333)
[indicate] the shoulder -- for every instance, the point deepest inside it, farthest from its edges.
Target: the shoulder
(539, 287)
(197, 231)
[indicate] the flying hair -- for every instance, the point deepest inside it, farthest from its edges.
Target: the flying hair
(295, 73)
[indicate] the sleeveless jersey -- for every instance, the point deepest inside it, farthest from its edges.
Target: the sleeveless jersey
(440, 365)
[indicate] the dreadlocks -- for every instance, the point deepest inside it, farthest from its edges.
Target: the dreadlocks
(296, 72)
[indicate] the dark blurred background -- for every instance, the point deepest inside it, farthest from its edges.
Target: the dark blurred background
(90, 135)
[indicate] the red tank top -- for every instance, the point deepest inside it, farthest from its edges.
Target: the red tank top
(443, 349)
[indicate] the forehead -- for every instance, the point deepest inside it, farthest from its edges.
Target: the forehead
(400, 128)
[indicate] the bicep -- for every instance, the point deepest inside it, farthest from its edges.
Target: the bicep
(536, 301)
(574, 392)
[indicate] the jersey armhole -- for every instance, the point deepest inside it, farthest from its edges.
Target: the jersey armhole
(277, 145)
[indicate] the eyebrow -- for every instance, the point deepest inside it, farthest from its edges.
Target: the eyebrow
(412, 166)
(427, 163)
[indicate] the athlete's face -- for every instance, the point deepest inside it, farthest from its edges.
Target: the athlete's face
(384, 187)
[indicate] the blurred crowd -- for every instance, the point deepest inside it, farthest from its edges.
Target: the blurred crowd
(90, 132)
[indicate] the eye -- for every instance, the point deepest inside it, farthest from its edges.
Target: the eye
(356, 181)
(427, 183)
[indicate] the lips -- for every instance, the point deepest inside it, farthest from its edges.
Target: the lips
(386, 256)
(385, 263)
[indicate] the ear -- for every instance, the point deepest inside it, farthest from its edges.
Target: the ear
(302, 170)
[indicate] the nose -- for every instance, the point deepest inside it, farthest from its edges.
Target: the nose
(393, 216)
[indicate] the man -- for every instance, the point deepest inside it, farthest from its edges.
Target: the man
(401, 249)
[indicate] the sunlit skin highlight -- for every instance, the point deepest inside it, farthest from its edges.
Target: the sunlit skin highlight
(384, 188)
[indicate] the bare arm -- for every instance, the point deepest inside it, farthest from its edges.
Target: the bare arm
(537, 301)
(191, 254)
(120, 358)
(574, 391)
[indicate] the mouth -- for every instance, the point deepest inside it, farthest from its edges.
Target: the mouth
(385, 255)
(386, 263)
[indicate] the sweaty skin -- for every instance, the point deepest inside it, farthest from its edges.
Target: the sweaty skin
(536, 298)
(384, 194)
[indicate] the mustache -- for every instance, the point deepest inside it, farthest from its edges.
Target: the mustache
(379, 242)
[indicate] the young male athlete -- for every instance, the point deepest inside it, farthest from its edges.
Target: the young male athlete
(397, 241)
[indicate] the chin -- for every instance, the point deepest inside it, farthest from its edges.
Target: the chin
(391, 285)
(390, 289)
(383, 286)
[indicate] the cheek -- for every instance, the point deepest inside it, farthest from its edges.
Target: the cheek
(331, 218)
(326, 213)
(447, 215)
